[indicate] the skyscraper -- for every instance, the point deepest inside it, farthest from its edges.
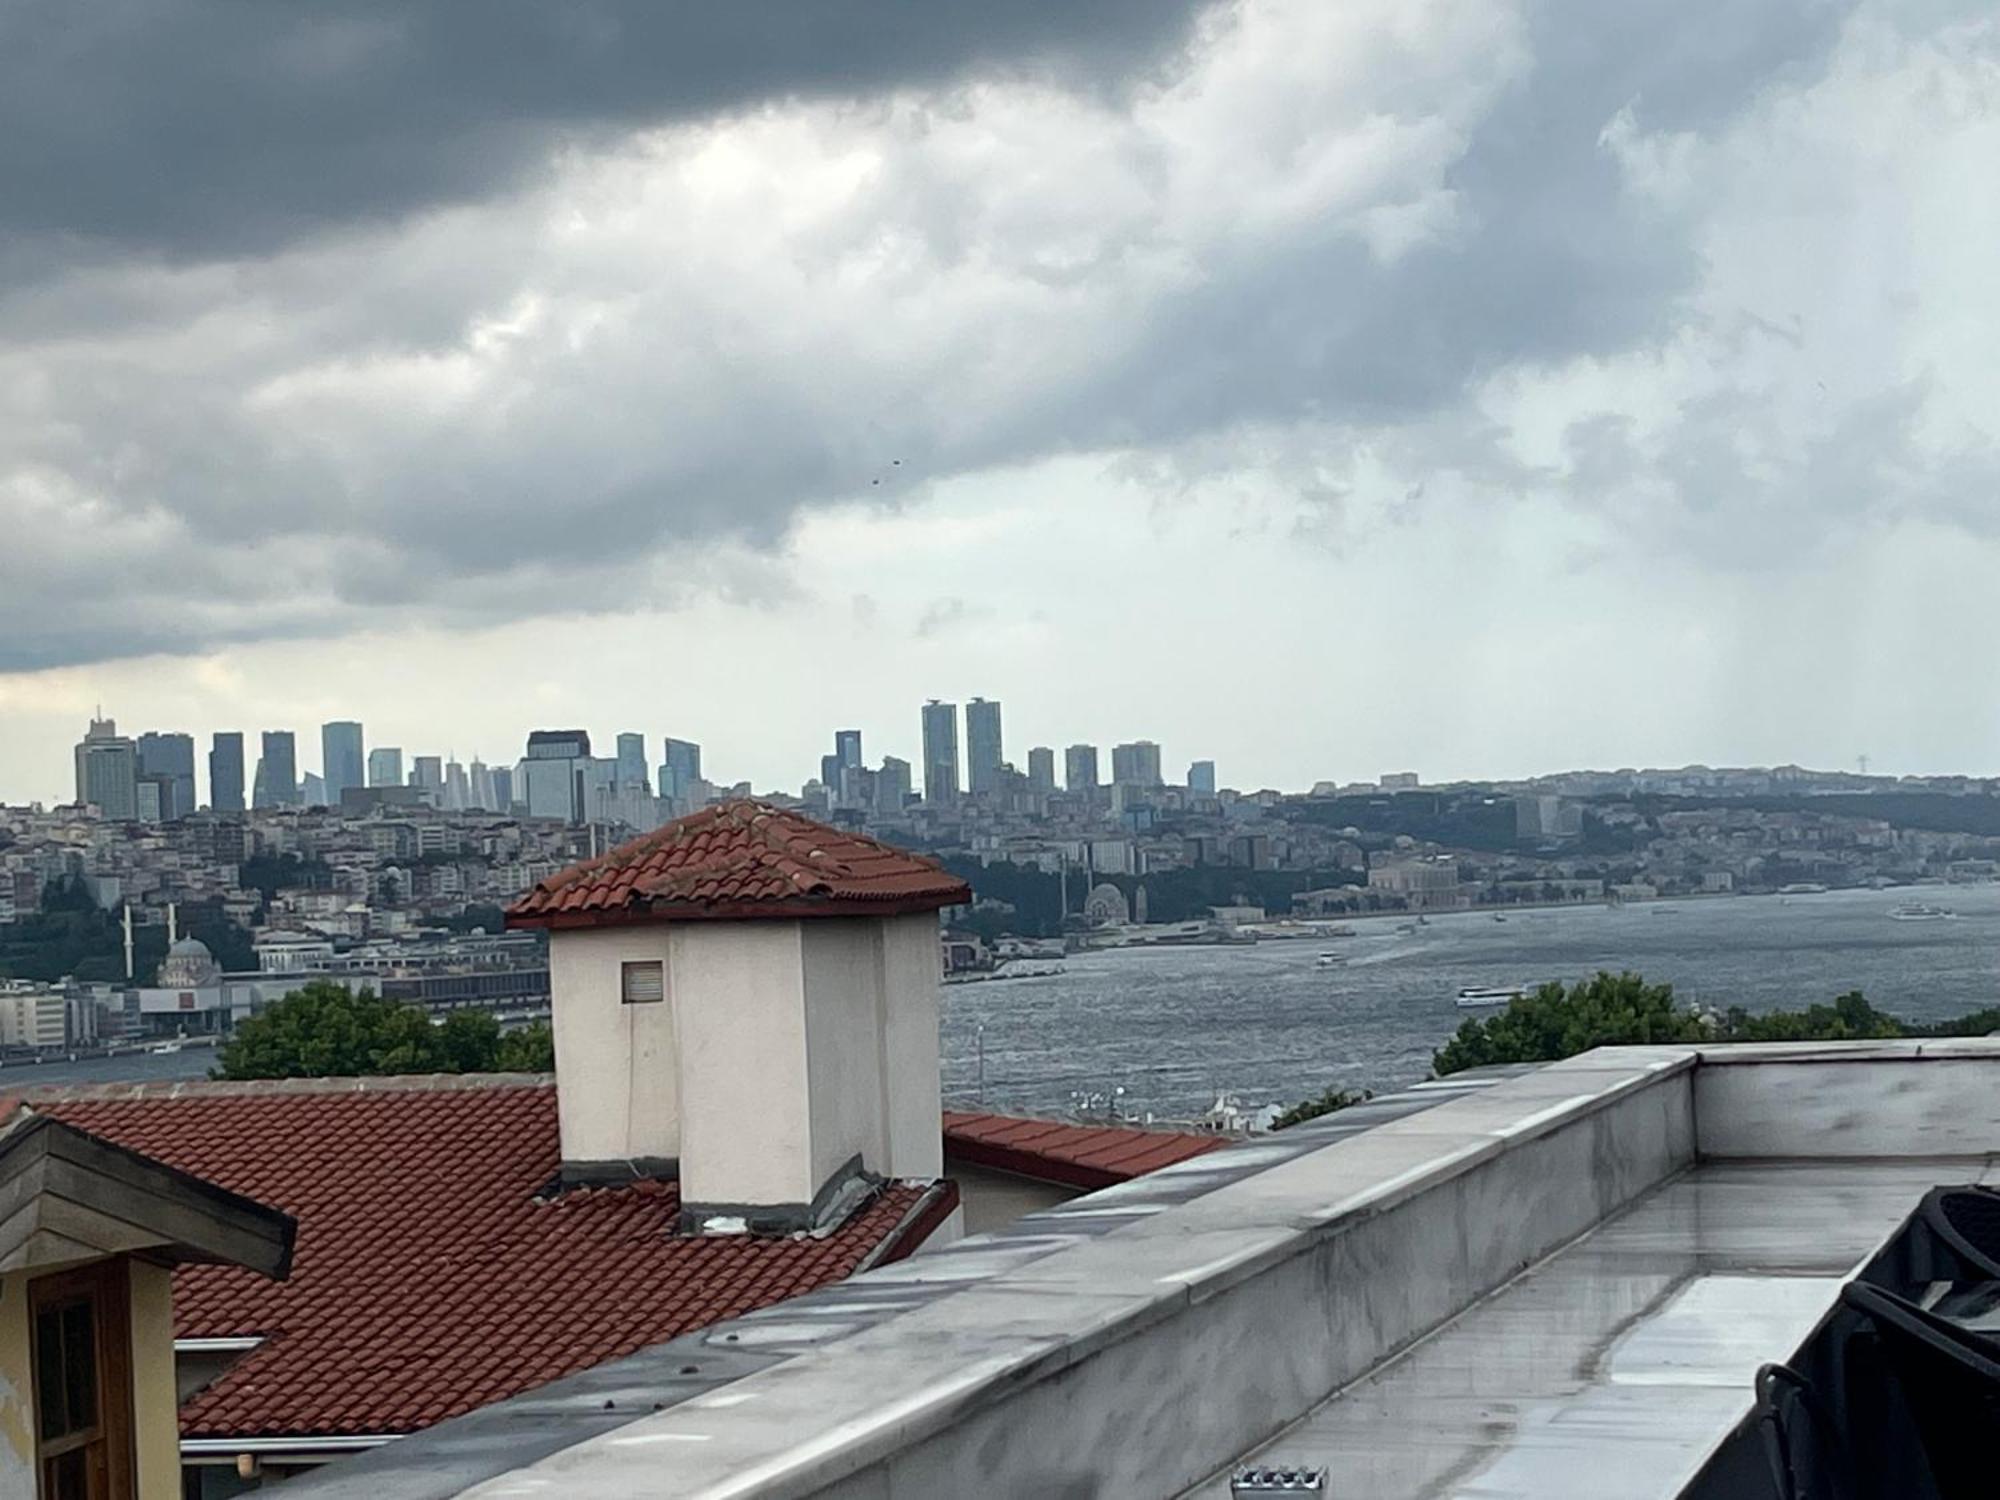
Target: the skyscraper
(1136, 764)
(225, 772)
(171, 756)
(829, 771)
(940, 753)
(427, 776)
(847, 748)
(1041, 769)
(1201, 778)
(503, 788)
(557, 771)
(340, 757)
(681, 770)
(277, 783)
(892, 785)
(632, 763)
(107, 771)
(480, 779)
(457, 787)
(385, 766)
(1080, 768)
(983, 753)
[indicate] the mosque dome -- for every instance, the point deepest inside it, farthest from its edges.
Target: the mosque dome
(188, 965)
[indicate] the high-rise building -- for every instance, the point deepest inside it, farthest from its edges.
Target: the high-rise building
(940, 753)
(457, 787)
(1136, 764)
(503, 788)
(385, 766)
(427, 776)
(107, 771)
(1041, 769)
(680, 772)
(340, 758)
(171, 756)
(983, 752)
(847, 748)
(892, 785)
(1201, 778)
(632, 764)
(312, 790)
(225, 772)
(556, 774)
(829, 771)
(479, 782)
(277, 783)
(1080, 768)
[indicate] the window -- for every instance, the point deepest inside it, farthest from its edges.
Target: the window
(644, 983)
(83, 1386)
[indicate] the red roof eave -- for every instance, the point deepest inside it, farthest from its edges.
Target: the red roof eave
(729, 911)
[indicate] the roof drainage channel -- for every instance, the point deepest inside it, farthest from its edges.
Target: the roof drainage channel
(450, 1458)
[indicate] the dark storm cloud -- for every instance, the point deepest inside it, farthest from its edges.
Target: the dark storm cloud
(204, 127)
(253, 395)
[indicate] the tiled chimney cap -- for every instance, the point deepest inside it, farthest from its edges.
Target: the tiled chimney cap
(739, 860)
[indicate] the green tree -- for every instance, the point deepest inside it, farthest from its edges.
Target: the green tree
(532, 1049)
(322, 1031)
(1553, 1022)
(1325, 1104)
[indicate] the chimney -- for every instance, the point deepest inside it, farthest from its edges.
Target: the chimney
(747, 1000)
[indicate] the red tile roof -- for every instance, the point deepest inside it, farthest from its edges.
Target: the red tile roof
(734, 860)
(1084, 1156)
(430, 1276)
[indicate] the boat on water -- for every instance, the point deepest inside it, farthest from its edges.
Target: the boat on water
(1919, 911)
(1479, 996)
(165, 1049)
(1327, 961)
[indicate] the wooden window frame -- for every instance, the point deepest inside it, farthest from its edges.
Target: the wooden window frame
(107, 1287)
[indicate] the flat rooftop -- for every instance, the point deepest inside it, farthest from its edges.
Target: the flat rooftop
(1552, 1281)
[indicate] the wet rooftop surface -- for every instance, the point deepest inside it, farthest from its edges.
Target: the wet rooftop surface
(1631, 1350)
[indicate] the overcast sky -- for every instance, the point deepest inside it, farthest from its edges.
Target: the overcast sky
(1463, 386)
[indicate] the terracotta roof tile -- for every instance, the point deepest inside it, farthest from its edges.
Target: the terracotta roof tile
(735, 860)
(1085, 1156)
(430, 1277)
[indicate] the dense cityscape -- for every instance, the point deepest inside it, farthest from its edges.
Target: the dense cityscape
(162, 905)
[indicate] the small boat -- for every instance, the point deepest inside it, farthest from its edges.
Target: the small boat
(1327, 961)
(1479, 996)
(165, 1049)
(1498, 918)
(1918, 911)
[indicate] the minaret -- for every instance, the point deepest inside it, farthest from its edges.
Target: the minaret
(127, 923)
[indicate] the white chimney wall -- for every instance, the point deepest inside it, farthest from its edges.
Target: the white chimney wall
(617, 1065)
(786, 1053)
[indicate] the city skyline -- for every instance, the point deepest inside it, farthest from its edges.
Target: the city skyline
(1139, 762)
(1280, 426)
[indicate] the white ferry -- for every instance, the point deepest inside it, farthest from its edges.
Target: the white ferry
(1479, 996)
(1918, 911)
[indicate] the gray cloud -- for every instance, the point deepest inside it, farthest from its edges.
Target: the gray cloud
(202, 127)
(332, 342)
